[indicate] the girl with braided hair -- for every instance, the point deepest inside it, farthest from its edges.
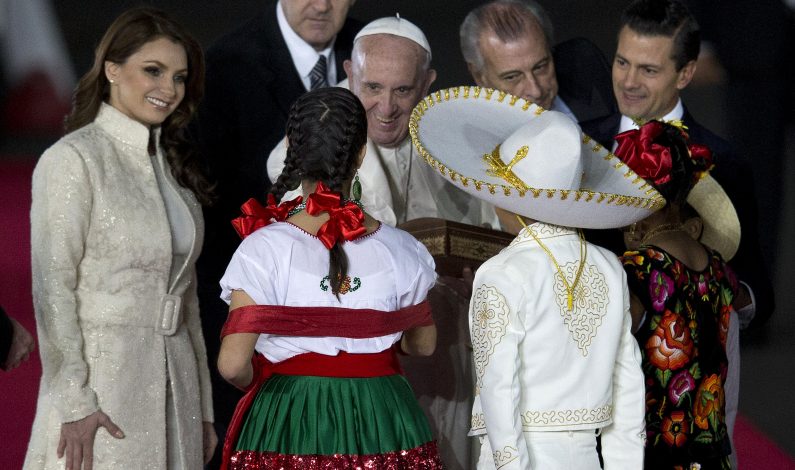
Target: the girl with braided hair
(322, 297)
(681, 302)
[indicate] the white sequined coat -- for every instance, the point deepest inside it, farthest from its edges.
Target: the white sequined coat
(117, 331)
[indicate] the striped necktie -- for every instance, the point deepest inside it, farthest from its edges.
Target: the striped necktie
(317, 77)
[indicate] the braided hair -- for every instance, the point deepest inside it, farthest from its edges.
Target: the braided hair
(326, 131)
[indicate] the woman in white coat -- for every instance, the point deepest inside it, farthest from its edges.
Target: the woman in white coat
(115, 230)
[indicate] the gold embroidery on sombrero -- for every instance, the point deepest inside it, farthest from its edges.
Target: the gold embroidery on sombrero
(499, 169)
(653, 202)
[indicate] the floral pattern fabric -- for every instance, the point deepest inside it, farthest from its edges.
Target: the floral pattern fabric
(683, 344)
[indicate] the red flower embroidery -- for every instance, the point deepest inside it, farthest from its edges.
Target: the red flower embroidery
(670, 347)
(709, 402)
(632, 258)
(674, 429)
(724, 324)
(654, 254)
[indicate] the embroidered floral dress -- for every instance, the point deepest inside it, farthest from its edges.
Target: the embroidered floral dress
(683, 343)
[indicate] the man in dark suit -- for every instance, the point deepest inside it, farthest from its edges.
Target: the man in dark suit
(507, 46)
(658, 44)
(253, 76)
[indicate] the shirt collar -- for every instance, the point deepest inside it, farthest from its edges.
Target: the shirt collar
(559, 105)
(304, 56)
(674, 115)
(542, 231)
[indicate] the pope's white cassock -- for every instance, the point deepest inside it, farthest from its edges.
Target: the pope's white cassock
(398, 186)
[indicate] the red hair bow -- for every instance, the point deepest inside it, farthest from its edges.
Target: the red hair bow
(702, 157)
(346, 221)
(255, 216)
(650, 161)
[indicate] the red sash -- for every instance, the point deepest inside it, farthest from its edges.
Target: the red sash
(325, 321)
(317, 322)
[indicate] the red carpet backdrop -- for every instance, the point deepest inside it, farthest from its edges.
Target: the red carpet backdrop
(18, 388)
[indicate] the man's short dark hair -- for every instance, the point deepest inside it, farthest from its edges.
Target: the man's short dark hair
(669, 18)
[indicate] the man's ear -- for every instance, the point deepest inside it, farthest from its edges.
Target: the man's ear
(694, 226)
(348, 66)
(476, 75)
(430, 77)
(686, 75)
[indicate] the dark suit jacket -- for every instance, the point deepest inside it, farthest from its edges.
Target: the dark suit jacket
(584, 79)
(251, 82)
(734, 174)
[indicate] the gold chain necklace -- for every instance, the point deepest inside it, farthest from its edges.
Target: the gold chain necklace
(659, 230)
(583, 252)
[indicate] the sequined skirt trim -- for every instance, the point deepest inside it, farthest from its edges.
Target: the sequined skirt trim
(424, 457)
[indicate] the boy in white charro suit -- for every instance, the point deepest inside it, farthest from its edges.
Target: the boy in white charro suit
(555, 362)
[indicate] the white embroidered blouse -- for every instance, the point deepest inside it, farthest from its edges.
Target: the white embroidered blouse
(281, 264)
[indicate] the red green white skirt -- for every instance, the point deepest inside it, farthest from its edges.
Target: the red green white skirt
(310, 422)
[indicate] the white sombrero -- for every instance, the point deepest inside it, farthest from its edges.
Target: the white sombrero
(536, 163)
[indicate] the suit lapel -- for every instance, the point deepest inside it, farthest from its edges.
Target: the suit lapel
(282, 76)
(604, 131)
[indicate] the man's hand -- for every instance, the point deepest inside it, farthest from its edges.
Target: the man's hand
(210, 440)
(77, 439)
(22, 344)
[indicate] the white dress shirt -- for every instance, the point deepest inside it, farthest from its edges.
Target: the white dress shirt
(305, 56)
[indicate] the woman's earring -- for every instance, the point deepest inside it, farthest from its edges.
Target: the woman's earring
(356, 187)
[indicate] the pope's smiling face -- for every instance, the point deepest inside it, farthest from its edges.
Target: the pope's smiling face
(390, 77)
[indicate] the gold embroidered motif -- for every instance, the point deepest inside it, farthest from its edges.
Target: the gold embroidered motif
(505, 456)
(554, 418)
(489, 325)
(590, 303)
(478, 422)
